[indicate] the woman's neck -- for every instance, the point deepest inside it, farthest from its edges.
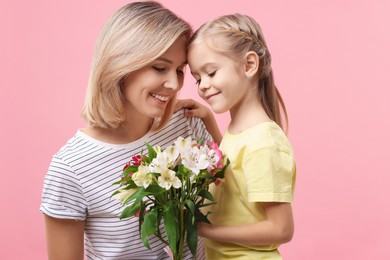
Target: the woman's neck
(127, 132)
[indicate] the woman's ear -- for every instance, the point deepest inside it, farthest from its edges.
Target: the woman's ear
(251, 64)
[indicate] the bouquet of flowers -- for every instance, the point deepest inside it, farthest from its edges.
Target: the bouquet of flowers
(170, 186)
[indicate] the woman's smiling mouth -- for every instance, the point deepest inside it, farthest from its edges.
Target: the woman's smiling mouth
(160, 98)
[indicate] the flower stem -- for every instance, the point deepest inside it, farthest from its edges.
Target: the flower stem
(181, 232)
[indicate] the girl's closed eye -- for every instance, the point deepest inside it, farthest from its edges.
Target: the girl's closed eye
(212, 74)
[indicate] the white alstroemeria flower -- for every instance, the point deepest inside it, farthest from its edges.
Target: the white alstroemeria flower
(157, 149)
(160, 163)
(196, 160)
(164, 160)
(184, 145)
(124, 194)
(213, 159)
(142, 177)
(168, 179)
(172, 152)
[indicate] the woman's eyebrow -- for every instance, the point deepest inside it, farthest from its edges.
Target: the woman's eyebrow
(169, 61)
(164, 59)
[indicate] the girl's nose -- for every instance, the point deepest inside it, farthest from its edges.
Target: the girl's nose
(204, 85)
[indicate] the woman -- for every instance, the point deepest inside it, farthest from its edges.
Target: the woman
(137, 70)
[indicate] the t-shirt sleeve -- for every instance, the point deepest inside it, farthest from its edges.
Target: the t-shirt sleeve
(270, 175)
(199, 131)
(62, 195)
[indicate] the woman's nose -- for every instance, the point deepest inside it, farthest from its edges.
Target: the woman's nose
(173, 82)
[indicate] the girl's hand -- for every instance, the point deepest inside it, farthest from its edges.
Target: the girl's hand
(193, 108)
(203, 228)
(196, 109)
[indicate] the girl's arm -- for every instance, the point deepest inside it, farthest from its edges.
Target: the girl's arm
(195, 109)
(64, 239)
(278, 228)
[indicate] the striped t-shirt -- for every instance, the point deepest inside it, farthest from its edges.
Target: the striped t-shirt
(79, 184)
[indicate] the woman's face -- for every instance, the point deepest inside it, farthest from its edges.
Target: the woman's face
(148, 90)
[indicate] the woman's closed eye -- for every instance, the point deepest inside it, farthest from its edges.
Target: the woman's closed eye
(180, 71)
(159, 69)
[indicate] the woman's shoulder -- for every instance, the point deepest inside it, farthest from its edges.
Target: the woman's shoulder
(77, 144)
(180, 125)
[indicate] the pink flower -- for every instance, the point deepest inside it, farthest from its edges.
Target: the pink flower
(214, 146)
(127, 165)
(137, 160)
(138, 213)
(218, 182)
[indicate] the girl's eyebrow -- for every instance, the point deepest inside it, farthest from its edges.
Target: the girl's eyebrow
(207, 64)
(203, 67)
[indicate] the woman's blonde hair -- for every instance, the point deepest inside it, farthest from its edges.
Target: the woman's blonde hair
(132, 38)
(235, 35)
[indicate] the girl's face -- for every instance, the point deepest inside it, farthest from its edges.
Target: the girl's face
(149, 89)
(219, 78)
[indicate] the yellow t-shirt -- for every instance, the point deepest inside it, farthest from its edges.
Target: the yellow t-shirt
(262, 169)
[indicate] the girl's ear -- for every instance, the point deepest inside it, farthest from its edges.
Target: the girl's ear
(251, 64)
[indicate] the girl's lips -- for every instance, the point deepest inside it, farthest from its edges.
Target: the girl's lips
(212, 95)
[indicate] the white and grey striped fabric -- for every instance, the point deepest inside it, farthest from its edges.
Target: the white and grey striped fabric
(79, 183)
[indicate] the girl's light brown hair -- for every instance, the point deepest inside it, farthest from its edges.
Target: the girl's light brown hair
(132, 38)
(235, 35)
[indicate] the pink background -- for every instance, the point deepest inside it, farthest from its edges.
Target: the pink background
(332, 65)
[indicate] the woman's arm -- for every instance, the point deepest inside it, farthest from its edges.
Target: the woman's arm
(64, 239)
(195, 109)
(278, 228)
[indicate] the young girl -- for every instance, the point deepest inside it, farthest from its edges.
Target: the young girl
(137, 70)
(232, 66)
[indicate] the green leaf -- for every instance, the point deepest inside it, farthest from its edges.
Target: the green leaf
(116, 192)
(155, 190)
(151, 152)
(192, 232)
(129, 169)
(149, 227)
(171, 225)
(205, 175)
(118, 182)
(200, 217)
(191, 206)
(141, 216)
(158, 230)
(206, 204)
(137, 196)
(207, 195)
(182, 171)
(130, 211)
